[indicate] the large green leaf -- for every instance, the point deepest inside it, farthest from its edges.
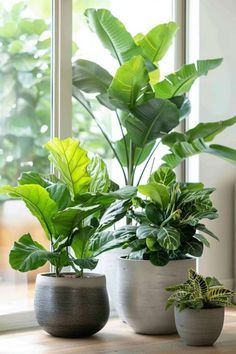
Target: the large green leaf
(208, 131)
(90, 77)
(60, 194)
(98, 171)
(107, 240)
(151, 120)
(32, 177)
(181, 81)
(86, 263)
(156, 192)
(112, 33)
(159, 258)
(145, 231)
(169, 238)
(163, 175)
(80, 242)
(194, 248)
(158, 40)
(129, 83)
(67, 219)
(140, 154)
(38, 201)
(72, 162)
(27, 254)
(114, 213)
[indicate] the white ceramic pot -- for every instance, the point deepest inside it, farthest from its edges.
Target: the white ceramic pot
(201, 327)
(141, 296)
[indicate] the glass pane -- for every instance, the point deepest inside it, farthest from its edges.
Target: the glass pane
(138, 17)
(25, 36)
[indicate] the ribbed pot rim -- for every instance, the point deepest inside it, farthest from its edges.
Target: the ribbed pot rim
(194, 312)
(90, 280)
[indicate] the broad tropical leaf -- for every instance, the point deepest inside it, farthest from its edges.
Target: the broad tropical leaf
(86, 263)
(60, 194)
(181, 81)
(151, 120)
(156, 192)
(159, 258)
(129, 84)
(27, 254)
(168, 237)
(163, 175)
(107, 240)
(32, 177)
(157, 41)
(80, 242)
(203, 228)
(72, 162)
(38, 201)
(90, 77)
(194, 248)
(114, 213)
(144, 231)
(208, 131)
(98, 171)
(112, 33)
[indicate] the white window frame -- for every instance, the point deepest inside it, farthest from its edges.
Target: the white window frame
(61, 104)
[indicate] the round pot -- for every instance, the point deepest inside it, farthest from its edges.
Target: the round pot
(141, 295)
(71, 307)
(201, 327)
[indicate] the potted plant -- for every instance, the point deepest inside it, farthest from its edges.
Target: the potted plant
(74, 210)
(199, 308)
(169, 232)
(146, 106)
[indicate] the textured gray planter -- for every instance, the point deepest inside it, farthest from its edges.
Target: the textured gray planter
(141, 295)
(69, 306)
(199, 327)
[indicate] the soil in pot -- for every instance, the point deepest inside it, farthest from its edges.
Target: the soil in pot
(69, 306)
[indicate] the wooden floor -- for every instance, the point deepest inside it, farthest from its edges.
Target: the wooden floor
(116, 337)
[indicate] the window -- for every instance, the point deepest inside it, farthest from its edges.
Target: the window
(26, 79)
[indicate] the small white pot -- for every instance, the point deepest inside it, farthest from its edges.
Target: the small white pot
(141, 296)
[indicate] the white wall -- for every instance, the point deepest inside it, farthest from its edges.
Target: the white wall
(217, 100)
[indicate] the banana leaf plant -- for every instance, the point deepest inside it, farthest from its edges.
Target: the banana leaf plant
(199, 292)
(147, 108)
(169, 219)
(74, 210)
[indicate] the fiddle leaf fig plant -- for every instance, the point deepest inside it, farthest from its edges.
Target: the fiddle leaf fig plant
(199, 292)
(169, 219)
(74, 210)
(146, 106)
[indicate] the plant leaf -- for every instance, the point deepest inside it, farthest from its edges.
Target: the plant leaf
(194, 248)
(107, 240)
(163, 175)
(129, 83)
(181, 81)
(60, 194)
(38, 201)
(151, 120)
(169, 238)
(86, 263)
(158, 40)
(202, 227)
(159, 258)
(98, 171)
(90, 77)
(27, 254)
(144, 231)
(156, 192)
(72, 162)
(113, 34)
(114, 213)
(208, 131)
(80, 242)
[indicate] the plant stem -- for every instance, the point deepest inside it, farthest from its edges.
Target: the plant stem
(106, 137)
(131, 163)
(123, 137)
(149, 158)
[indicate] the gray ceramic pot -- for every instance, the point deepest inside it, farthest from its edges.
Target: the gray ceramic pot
(199, 327)
(141, 296)
(69, 306)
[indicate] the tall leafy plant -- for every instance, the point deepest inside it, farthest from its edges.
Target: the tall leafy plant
(74, 210)
(147, 109)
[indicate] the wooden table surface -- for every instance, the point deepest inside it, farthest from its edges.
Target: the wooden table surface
(116, 337)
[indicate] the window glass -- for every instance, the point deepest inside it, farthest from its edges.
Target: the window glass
(25, 40)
